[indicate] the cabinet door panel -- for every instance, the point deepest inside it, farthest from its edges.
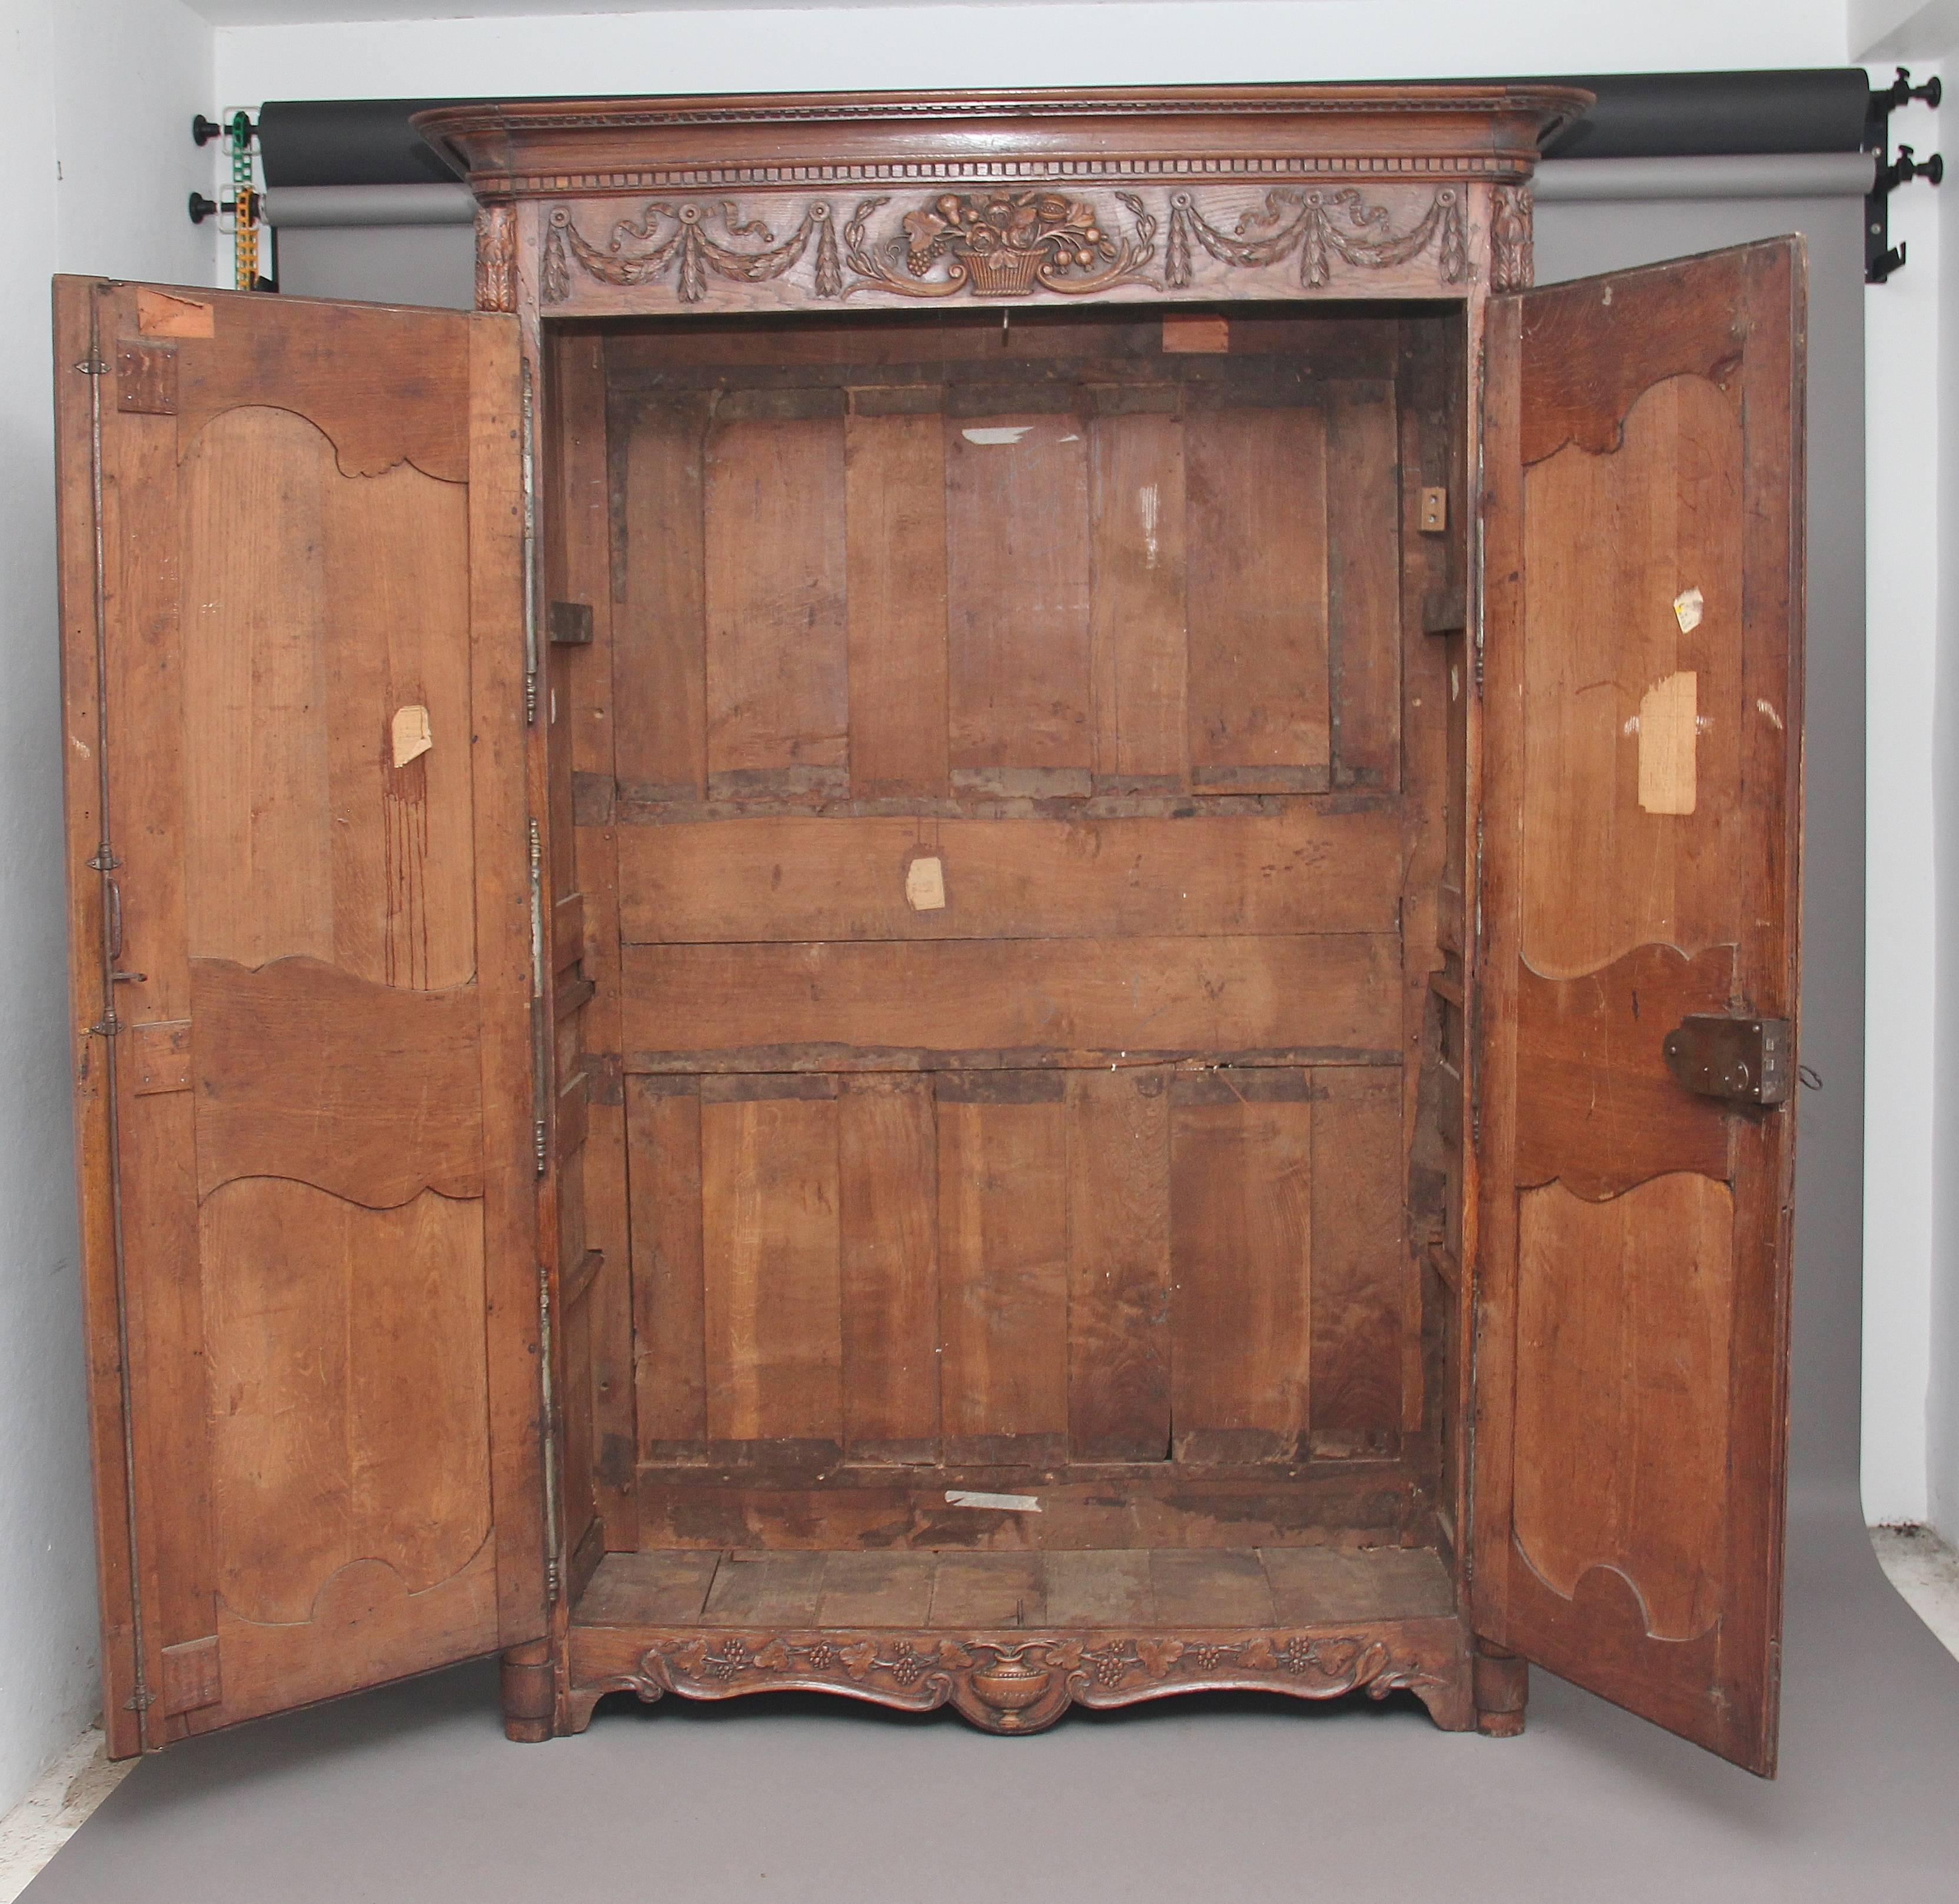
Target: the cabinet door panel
(301, 977)
(1643, 819)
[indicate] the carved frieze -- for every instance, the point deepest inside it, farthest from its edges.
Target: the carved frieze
(1513, 266)
(1011, 1683)
(496, 258)
(1012, 242)
(1321, 226)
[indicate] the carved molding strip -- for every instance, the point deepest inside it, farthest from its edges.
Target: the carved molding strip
(1006, 244)
(1012, 1684)
(1464, 166)
(496, 258)
(1513, 259)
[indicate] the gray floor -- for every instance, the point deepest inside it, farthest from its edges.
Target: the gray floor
(413, 1794)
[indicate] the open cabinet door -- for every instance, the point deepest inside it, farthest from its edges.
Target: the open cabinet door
(299, 860)
(1644, 474)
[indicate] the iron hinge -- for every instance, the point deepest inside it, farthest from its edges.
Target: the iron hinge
(528, 458)
(91, 367)
(1740, 1060)
(550, 1583)
(139, 1701)
(103, 860)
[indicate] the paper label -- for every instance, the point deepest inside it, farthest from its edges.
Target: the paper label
(411, 734)
(1687, 607)
(925, 884)
(959, 1497)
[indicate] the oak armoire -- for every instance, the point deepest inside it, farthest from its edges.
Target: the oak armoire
(1000, 909)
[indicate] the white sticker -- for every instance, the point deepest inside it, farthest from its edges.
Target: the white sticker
(411, 734)
(1687, 606)
(959, 1497)
(925, 884)
(1006, 433)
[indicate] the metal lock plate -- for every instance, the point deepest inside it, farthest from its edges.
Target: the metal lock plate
(1741, 1060)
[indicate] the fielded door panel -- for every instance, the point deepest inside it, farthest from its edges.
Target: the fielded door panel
(291, 567)
(1644, 464)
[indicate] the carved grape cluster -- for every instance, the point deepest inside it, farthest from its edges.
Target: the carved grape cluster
(730, 1662)
(906, 1665)
(823, 1656)
(1209, 1658)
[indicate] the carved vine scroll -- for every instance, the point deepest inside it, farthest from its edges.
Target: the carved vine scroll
(1014, 1685)
(1017, 243)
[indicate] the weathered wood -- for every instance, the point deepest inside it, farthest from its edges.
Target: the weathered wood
(1329, 993)
(761, 880)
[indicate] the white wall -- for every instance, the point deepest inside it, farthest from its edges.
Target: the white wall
(1911, 1340)
(96, 97)
(859, 47)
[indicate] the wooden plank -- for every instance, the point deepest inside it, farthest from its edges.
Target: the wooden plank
(258, 875)
(777, 642)
(659, 659)
(1317, 1585)
(1003, 1268)
(1241, 1249)
(766, 1590)
(821, 1503)
(1138, 566)
(395, 601)
(1331, 995)
(1222, 1588)
(1118, 1269)
(1622, 1403)
(669, 1364)
(876, 1590)
(1105, 1589)
(988, 1590)
(896, 565)
(887, 1166)
(647, 1589)
(1306, 870)
(770, 1242)
(1259, 701)
(1360, 1262)
(1606, 656)
(1019, 679)
(1364, 582)
(303, 1071)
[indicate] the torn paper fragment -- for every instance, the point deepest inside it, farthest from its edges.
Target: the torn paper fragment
(925, 884)
(1687, 607)
(1668, 727)
(1003, 433)
(158, 314)
(959, 1497)
(412, 734)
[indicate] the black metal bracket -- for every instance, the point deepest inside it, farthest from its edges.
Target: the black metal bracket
(203, 130)
(1881, 257)
(201, 208)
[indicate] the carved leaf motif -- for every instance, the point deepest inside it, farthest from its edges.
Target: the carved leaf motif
(1158, 1656)
(859, 1658)
(774, 1656)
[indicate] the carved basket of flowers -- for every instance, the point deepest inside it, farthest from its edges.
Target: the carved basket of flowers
(1005, 242)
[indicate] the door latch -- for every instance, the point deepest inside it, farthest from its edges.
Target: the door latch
(1741, 1060)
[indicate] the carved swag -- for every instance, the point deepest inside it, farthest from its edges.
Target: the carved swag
(1004, 244)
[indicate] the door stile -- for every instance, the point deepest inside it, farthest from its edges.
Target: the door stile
(1496, 771)
(91, 995)
(514, 1202)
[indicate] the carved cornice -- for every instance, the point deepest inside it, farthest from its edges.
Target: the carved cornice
(578, 148)
(1006, 244)
(1017, 1682)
